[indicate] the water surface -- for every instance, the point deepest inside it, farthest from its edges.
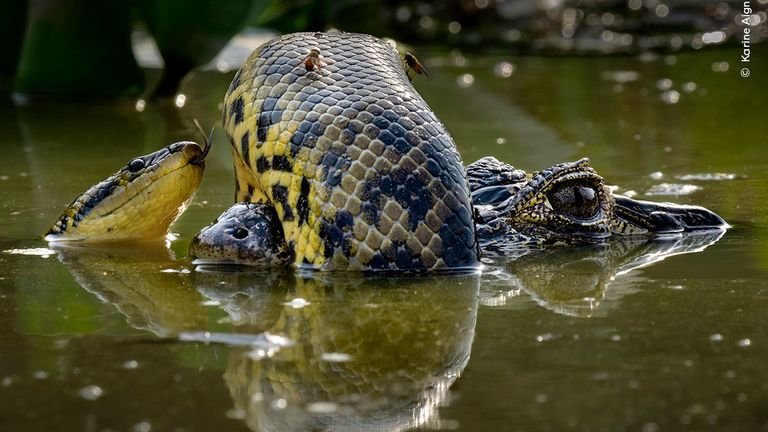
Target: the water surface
(658, 336)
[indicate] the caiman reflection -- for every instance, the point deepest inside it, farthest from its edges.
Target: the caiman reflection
(574, 281)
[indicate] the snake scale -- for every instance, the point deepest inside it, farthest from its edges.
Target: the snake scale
(360, 171)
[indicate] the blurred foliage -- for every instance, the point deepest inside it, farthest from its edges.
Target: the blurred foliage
(13, 17)
(89, 40)
(539, 26)
(191, 36)
(78, 49)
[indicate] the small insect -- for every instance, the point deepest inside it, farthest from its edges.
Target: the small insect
(313, 62)
(413, 64)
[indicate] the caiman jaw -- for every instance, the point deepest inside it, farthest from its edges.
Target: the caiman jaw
(633, 217)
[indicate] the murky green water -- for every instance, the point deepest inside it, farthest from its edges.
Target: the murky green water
(663, 336)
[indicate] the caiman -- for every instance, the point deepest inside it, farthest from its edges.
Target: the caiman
(341, 164)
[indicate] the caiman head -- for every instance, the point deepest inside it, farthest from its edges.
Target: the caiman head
(569, 203)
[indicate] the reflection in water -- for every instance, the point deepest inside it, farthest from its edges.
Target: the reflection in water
(573, 281)
(369, 354)
(335, 351)
(141, 281)
(364, 353)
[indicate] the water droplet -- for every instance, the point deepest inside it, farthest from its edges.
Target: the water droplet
(236, 414)
(181, 100)
(334, 357)
(454, 27)
(131, 364)
(714, 37)
(501, 140)
(670, 97)
(661, 10)
(616, 338)
(503, 69)
(649, 427)
(706, 176)
(744, 343)
(40, 375)
(7, 381)
(620, 76)
(673, 189)
(403, 13)
(297, 303)
(656, 175)
(222, 66)
(279, 404)
(144, 426)
(689, 87)
(322, 407)
(721, 66)
(465, 80)
(717, 337)
(91, 392)
(426, 22)
(540, 398)
(140, 105)
(546, 337)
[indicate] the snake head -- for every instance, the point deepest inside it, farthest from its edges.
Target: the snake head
(139, 201)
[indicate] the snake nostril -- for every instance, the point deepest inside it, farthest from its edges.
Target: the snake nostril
(136, 165)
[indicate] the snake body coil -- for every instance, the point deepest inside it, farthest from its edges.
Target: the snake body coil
(360, 171)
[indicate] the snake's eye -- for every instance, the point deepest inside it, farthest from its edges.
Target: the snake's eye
(136, 165)
(574, 199)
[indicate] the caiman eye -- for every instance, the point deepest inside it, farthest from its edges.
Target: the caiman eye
(136, 165)
(577, 200)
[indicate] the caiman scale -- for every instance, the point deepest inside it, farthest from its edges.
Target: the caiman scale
(340, 164)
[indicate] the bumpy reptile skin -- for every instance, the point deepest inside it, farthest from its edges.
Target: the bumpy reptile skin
(361, 172)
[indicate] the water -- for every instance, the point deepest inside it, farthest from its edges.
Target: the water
(660, 336)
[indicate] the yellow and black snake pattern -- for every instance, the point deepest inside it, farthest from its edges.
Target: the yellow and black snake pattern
(327, 128)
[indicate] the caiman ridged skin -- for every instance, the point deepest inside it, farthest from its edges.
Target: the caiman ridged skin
(361, 172)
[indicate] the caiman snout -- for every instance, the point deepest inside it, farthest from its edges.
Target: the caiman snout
(666, 218)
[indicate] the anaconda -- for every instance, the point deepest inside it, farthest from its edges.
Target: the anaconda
(341, 164)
